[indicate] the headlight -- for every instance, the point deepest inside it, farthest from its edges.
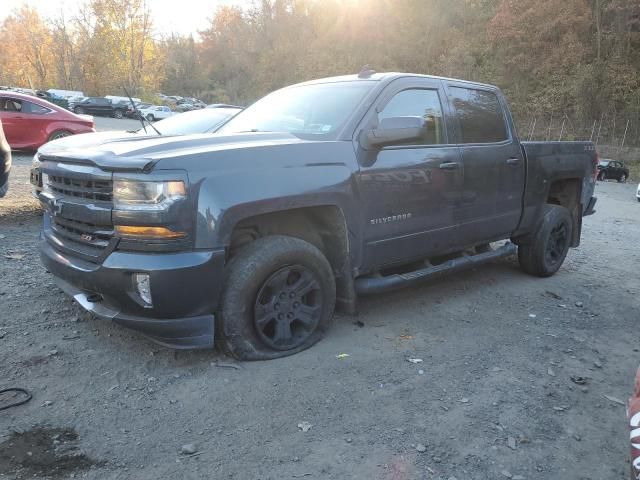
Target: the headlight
(133, 195)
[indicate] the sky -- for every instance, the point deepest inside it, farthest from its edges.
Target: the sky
(170, 16)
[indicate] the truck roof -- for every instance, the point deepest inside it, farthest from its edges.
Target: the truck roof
(388, 77)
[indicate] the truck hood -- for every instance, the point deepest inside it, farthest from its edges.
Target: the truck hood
(87, 140)
(119, 151)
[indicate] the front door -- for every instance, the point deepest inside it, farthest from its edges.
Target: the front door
(409, 191)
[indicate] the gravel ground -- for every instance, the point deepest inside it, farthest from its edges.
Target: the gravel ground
(493, 397)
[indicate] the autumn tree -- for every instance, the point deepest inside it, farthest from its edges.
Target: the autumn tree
(25, 49)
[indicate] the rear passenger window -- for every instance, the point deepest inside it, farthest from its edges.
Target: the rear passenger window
(28, 107)
(419, 103)
(480, 116)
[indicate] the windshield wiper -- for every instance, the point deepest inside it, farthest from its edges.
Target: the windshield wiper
(139, 115)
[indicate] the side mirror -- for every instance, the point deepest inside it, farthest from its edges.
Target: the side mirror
(396, 129)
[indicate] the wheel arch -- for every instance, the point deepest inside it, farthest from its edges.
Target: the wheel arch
(324, 226)
(567, 193)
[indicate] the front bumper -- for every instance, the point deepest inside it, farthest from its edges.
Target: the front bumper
(185, 288)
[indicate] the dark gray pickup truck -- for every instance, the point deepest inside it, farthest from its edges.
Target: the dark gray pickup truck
(316, 193)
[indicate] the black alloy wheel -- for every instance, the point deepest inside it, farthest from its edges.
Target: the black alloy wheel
(556, 245)
(288, 308)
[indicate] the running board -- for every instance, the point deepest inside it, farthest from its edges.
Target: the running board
(370, 285)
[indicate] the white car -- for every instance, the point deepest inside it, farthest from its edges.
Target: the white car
(638, 193)
(156, 112)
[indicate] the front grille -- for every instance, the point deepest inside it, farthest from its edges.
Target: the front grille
(101, 190)
(97, 236)
(79, 200)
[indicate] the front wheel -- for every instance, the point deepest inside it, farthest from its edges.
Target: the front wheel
(117, 114)
(79, 110)
(623, 178)
(278, 299)
(544, 254)
(151, 118)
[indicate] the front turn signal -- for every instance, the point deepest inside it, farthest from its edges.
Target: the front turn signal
(153, 233)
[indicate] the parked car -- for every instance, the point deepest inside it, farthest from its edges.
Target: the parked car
(156, 112)
(65, 93)
(184, 107)
(55, 99)
(116, 99)
(30, 122)
(612, 169)
(73, 101)
(313, 194)
(131, 112)
(99, 106)
(638, 193)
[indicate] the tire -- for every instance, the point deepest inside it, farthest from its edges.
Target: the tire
(59, 134)
(623, 178)
(544, 254)
(78, 110)
(151, 118)
(117, 114)
(267, 285)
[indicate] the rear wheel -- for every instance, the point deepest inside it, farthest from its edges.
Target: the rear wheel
(278, 299)
(59, 134)
(544, 254)
(117, 114)
(151, 118)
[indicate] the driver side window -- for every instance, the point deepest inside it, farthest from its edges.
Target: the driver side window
(419, 103)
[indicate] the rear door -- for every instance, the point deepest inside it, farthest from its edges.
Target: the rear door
(409, 191)
(38, 118)
(494, 169)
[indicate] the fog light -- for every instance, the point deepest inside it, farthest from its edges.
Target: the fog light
(142, 283)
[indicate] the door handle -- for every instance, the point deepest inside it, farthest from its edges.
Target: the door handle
(449, 166)
(512, 162)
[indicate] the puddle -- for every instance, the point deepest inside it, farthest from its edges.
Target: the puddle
(43, 453)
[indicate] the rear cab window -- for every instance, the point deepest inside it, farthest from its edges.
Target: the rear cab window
(480, 116)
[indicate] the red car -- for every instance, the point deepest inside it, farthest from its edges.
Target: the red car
(30, 122)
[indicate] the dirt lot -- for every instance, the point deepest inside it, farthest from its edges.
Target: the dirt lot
(493, 398)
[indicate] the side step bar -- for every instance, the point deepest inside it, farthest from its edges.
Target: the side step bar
(377, 284)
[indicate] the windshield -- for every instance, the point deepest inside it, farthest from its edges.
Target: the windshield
(604, 163)
(307, 111)
(197, 121)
